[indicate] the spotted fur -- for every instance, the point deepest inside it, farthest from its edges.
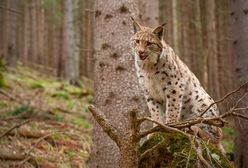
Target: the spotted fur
(172, 91)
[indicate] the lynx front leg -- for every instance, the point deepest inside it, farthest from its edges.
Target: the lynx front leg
(156, 109)
(173, 106)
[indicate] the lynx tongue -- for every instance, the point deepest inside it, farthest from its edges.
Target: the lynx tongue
(142, 56)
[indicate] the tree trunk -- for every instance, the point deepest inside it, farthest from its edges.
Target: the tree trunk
(239, 17)
(148, 12)
(116, 87)
(12, 48)
(175, 26)
(71, 59)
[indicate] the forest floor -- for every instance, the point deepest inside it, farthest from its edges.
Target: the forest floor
(51, 125)
(44, 122)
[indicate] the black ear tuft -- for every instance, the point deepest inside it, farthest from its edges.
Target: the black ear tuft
(136, 26)
(158, 31)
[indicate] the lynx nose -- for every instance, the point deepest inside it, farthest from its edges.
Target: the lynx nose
(141, 52)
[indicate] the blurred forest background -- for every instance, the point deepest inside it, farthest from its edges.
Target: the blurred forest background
(58, 38)
(40, 33)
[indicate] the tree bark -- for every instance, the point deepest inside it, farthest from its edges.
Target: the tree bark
(116, 87)
(239, 18)
(12, 40)
(213, 72)
(71, 59)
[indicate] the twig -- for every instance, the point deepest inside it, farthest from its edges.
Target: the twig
(208, 152)
(33, 147)
(15, 126)
(239, 100)
(199, 155)
(165, 127)
(37, 142)
(113, 133)
(238, 115)
(221, 100)
(147, 132)
(24, 161)
(7, 95)
(188, 158)
(240, 109)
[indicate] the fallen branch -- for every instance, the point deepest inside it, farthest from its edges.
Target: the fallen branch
(28, 154)
(12, 128)
(8, 95)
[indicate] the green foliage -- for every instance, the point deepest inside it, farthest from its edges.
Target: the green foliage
(21, 109)
(60, 95)
(229, 146)
(81, 123)
(228, 137)
(58, 117)
(228, 131)
(3, 104)
(3, 82)
(90, 99)
(37, 85)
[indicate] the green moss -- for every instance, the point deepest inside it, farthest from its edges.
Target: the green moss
(155, 139)
(229, 146)
(90, 99)
(3, 104)
(81, 123)
(70, 104)
(37, 85)
(57, 117)
(228, 131)
(228, 137)
(21, 109)
(60, 95)
(174, 150)
(3, 82)
(60, 136)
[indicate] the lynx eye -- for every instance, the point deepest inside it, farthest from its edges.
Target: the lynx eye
(137, 41)
(149, 44)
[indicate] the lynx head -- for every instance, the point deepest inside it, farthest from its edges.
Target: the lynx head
(147, 42)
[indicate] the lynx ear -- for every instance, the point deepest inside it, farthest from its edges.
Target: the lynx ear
(136, 26)
(158, 31)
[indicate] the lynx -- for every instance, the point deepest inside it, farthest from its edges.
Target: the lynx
(172, 91)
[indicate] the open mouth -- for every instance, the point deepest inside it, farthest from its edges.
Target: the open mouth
(142, 56)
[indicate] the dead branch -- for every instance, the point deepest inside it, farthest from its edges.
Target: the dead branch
(27, 154)
(12, 128)
(37, 142)
(165, 127)
(239, 100)
(112, 132)
(221, 100)
(240, 109)
(24, 161)
(150, 131)
(8, 95)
